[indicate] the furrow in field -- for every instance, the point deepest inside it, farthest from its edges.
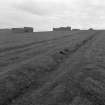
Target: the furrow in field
(54, 80)
(6, 59)
(31, 45)
(7, 49)
(17, 57)
(32, 51)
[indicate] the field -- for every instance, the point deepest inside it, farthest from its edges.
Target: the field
(52, 68)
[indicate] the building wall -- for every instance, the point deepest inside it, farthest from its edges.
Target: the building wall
(18, 30)
(75, 29)
(22, 30)
(62, 29)
(28, 29)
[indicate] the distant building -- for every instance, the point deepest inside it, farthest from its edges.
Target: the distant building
(28, 29)
(75, 29)
(18, 30)
(62, 29)
(22, 30)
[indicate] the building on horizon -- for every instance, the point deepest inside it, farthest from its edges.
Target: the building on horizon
(62, 29)
(22, 30)
(75, 29)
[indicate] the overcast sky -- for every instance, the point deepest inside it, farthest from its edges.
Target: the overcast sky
(46, 14)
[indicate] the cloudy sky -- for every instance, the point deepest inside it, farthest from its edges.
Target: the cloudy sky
(45, 14)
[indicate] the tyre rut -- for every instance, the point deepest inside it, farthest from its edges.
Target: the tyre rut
(46, 87)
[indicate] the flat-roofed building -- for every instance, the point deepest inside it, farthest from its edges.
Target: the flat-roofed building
(28, 29)
(75, 29)
(62, 29)
(22, 30)
(18, 30)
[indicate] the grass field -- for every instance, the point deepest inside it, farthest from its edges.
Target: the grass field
(52, 68)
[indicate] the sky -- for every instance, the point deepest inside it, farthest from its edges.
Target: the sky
(43, 15)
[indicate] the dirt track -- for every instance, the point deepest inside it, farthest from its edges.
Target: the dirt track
(67, 71)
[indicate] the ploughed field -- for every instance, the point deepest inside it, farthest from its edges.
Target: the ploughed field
(52, 68)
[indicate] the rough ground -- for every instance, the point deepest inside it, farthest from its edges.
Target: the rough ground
(60, 70)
